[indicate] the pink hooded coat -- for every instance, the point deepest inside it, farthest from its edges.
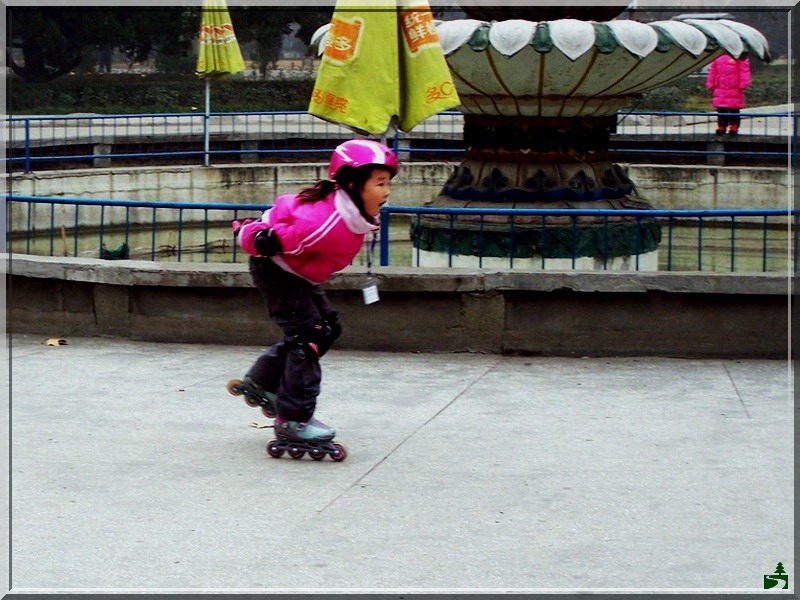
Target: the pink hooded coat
(318, 238)
(728, 78)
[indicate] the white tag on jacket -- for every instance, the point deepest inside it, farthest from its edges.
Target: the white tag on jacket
(370, 291)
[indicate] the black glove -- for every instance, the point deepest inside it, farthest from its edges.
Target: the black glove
(267, 243)
(332, 321)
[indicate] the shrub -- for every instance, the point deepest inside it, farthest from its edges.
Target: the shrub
(106, 94)
(769, 86)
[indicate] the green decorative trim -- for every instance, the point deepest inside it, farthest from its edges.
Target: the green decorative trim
(542, 42)
(604, 39)
(594, 240)
(665, 41)
(480, 38)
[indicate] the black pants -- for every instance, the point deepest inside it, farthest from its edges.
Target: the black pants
(286, 368)
(731, 118)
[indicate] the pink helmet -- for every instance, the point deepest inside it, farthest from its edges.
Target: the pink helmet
(358, 153)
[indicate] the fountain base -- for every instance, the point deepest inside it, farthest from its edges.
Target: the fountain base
(535, 241)
(644, 262)
(520, 162)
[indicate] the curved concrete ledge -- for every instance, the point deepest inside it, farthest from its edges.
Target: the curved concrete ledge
(666, 186)
(550, 313)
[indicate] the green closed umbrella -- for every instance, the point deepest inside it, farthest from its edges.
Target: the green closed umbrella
(219, 54)
(382, 68)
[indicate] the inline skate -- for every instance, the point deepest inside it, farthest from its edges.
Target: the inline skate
(254, 395)
(297, 438)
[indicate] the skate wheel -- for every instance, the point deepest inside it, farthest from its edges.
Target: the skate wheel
(274, 449)
(233, 387)
(316, 454)
(252, 403)
(296, 453)
(268, 412)
(339, 453)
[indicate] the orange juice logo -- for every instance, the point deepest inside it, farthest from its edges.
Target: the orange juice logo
(217, 34)
(343, 37)
(329, 100)
(419, 30)
(444, 90)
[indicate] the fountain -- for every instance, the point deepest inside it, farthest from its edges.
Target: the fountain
(540, 99)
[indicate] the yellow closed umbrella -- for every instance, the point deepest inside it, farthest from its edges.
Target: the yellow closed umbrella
(382, 67)
(218, 52)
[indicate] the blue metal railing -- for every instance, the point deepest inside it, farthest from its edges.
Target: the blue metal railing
(36, 140)
(175, 224)
(693, 240)
(758, 132)
(701, 219)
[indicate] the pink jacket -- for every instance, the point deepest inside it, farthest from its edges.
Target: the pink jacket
(318, 238)
(728, 78)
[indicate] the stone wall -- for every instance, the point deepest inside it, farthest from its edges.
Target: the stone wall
(543, 313)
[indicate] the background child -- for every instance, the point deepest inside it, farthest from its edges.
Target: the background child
(297, 245)
(728, 78)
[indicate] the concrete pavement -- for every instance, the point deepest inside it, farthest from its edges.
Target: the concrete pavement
(133, 469)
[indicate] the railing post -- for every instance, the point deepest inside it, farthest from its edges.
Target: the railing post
(27, 145)
(6, 224)
(384, 259)
(206, 117)
(206, 160)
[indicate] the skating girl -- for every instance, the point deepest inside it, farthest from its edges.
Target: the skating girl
(297, 245)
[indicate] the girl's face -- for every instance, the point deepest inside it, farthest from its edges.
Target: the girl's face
(376, 190)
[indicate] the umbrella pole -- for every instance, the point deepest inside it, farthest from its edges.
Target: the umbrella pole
(206, 160)
(389, 136)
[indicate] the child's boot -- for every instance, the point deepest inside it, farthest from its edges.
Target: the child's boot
(297, 438)
(312, 431)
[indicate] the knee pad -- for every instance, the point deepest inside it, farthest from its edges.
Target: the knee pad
(314, 340)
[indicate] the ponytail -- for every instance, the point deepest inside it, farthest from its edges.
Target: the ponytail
(349, 179)
(318, 192)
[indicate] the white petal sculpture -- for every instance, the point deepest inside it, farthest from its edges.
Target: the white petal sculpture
(726, 37)
(637, 37)
(572, 37)
(600, 67)
(684, 35)
(320, 38)
(454, 34)
(509, 37)
(754, 38)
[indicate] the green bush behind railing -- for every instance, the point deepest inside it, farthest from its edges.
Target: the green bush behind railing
(120, 94)
(769, 87)
(133, 93)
